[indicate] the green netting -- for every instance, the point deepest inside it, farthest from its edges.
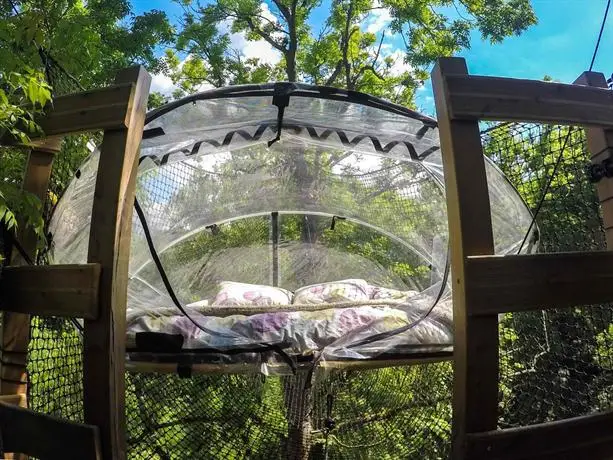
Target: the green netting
(55, 352)
(55, 368)
(397, 412)
(554, 364)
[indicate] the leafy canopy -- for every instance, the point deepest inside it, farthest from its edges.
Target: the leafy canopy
(22, 97)
(345, 52)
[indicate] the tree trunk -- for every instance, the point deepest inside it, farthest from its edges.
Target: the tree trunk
(298, 397)
(345, 47)
(290, 55)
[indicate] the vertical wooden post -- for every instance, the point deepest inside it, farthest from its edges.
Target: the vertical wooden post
(475, 391)
(16, 326)
(109, 245)
(600, 145)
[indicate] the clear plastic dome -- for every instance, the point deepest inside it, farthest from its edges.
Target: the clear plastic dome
(326, 236)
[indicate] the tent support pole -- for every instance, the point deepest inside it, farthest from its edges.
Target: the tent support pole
(274, 222)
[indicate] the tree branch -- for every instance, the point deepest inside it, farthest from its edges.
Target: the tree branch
(271, 41)
(254, 28)
(274, 25)
(283, 9)
(335, 73)
(372, 64)
(340, 158)
(383, 415)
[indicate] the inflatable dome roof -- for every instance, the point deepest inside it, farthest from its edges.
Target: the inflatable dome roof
(287, 217)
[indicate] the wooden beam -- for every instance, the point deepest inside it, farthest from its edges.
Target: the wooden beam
(253, 368)
(475, 390)
(42, 436)
(16, 326)
(581, 437)
(98, 109)
(492, 98)
(499, 284)
(600, 145)
(16, 400)
(109, 246)
(105, 108)
(51, 290)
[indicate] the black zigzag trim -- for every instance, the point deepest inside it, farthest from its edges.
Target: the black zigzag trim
(229, 137)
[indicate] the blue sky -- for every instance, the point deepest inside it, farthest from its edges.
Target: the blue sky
(560, 45)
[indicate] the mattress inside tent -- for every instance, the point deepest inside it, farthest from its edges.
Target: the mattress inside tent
(285, 223)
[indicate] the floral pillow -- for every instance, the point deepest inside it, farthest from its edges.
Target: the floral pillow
(377, 292)
(231, 293)
(336, 291)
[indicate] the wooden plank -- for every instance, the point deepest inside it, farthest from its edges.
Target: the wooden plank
(500, 284)
(98, 109)
(492, 98)
(46, 437)
(581, 437)
(109, 245)
(16, 400)
(105, 108)
(254, 368)
(16, 326)
(475, 388)
(53, 290)
(600, 145)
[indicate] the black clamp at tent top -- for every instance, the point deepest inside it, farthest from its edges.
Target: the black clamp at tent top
(184, 371)
(280, 98)
(334, 219)
(214, 228)
(598, 171)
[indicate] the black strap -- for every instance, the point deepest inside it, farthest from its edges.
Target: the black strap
(280, 98)
(156, 342)
(158, 263)
(400, 330)
(184, 371)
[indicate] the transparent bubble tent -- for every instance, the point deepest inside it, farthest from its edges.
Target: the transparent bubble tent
(282, 224)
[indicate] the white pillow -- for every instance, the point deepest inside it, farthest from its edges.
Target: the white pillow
(231, 293)
(381, 293)
(336, 291)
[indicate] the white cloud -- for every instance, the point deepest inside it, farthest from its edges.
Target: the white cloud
(378, 19)
(399, 66)
(205, 87)
(267, 13)
(260, 49)
(162, 84)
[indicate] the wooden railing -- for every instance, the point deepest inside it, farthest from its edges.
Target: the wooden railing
(95, 292)
(485, 285)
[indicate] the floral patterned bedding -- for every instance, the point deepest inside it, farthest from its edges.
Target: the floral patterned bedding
(409, 321)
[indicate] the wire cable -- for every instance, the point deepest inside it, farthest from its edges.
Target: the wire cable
(546, 189)
(604, 20)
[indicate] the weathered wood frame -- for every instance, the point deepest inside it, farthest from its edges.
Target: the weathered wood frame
(96, 291)
(525, 281)
(461, 100)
